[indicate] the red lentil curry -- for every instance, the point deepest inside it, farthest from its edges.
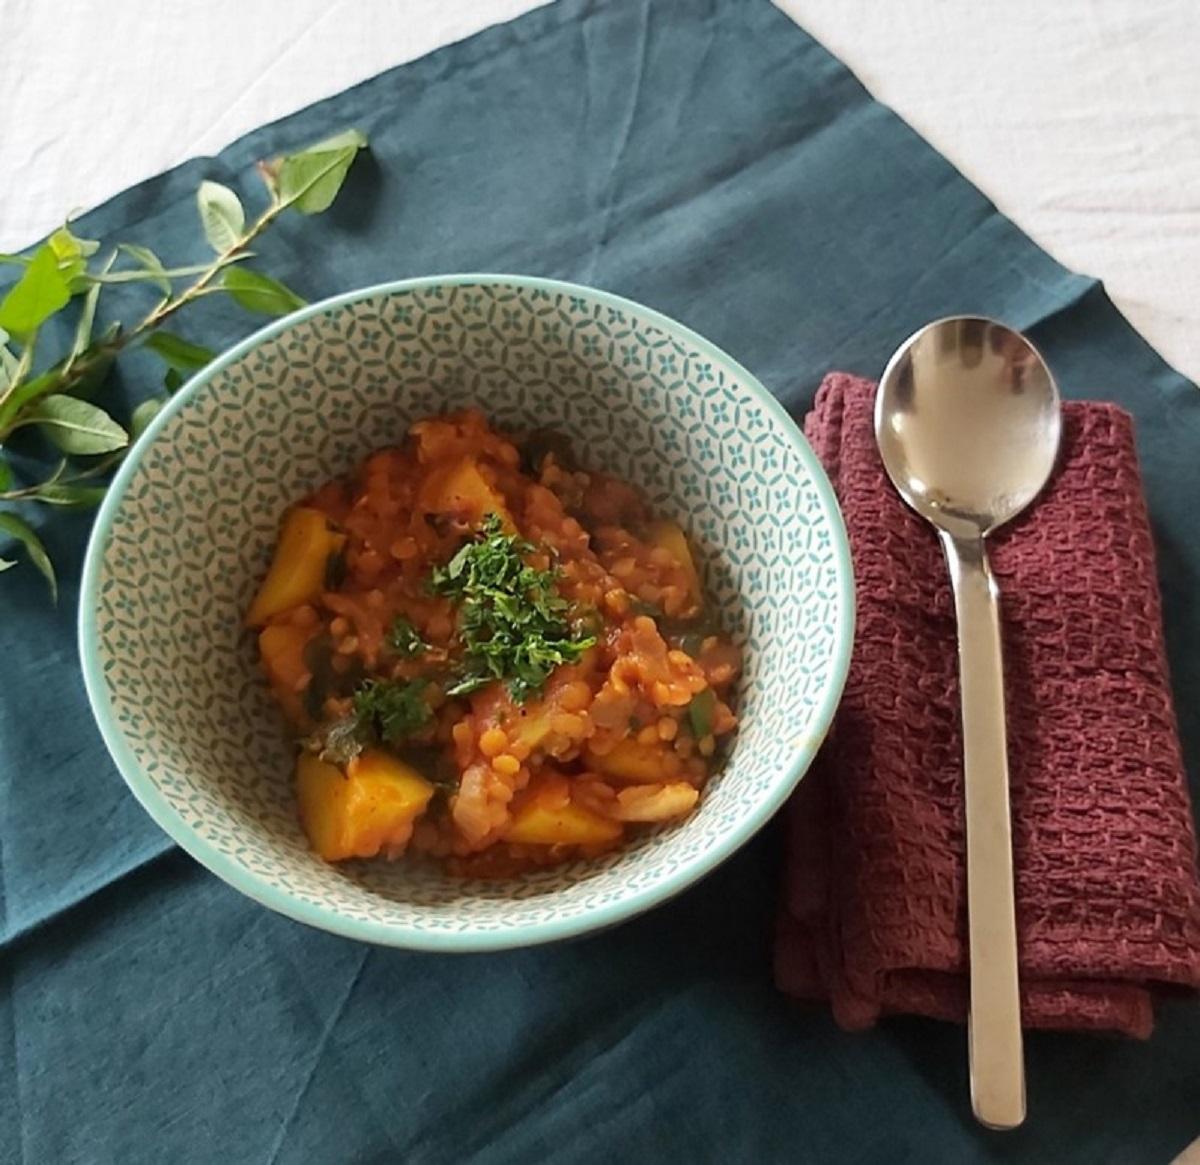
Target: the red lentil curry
(489, 655)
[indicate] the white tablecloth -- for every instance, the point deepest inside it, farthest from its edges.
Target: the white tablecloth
(1079, 118)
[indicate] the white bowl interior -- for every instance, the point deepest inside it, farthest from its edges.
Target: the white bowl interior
(174, 675)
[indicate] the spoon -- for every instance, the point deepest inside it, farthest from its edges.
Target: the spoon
(967, 419)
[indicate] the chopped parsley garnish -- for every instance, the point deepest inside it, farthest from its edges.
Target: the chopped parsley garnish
(513, 624)
(384, 712)
(391, 711)
(404, 639)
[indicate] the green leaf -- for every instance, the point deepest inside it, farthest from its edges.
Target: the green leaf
(83, 330)
(67, 247)
(700, 713)
(36, 296)
(24, 393)
(311, 179)
(173, 380)
(392, 710)
(260, 293)
(15, 390)
(6, 477)
(222, 215)
(96, 374)
(21, 530)
(143, 415)
(404, 639)
(72, 255)
(179, 353)
(76, 426)
(69, 495)
(8, 362)
(152, 269)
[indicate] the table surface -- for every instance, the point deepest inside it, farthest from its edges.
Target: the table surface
(1080, 120)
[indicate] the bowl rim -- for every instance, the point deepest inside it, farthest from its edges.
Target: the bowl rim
(394, 934)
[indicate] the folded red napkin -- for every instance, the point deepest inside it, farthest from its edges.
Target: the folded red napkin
(1108, 901)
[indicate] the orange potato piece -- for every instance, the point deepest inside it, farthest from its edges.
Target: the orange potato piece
(461, 489)
(639, 764)
(674, 541)
(297, 572)
(356, 814)
(545, 819)
(281, 646)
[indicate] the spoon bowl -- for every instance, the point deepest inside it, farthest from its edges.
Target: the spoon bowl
(968, 421)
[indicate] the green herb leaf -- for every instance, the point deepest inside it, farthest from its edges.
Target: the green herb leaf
(99, 365)
(513, 624)
(392, 710)
(9, 364)
(260, 293)
(6, 477)
(172, 381)
(221, 214)
(180, 353)
(310, 180)
(40, 292)
(83, 330)
(24, 393)
(700, 713)
(151, 270)
(17, 390)
(143, 415)
(69, 494)
(21, 530)
(68, 247)
(72, 255)
(76, 426)
(404, 639)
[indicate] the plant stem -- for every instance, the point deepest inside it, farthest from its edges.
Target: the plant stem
(168, 307)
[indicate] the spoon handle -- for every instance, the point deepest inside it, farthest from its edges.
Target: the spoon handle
(994, 1022)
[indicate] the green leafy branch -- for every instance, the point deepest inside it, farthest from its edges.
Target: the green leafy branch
(52, 397)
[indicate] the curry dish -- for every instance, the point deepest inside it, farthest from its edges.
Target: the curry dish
(491, 656)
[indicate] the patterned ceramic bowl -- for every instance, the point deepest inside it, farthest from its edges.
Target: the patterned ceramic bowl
(186, 531)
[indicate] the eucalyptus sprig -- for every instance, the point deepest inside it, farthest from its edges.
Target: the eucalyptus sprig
(51, 395)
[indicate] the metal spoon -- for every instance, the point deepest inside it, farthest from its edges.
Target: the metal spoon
(967, 419)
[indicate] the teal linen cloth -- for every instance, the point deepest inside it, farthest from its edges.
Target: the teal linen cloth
(707, 158)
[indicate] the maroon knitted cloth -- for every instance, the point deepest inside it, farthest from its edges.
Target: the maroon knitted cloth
(1108, 901)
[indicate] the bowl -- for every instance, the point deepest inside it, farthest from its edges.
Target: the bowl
(186, 531)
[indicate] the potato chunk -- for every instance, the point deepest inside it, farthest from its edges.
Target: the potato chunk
(673, 540)
(281, 647)
(461, 489)
(356, 814)
(635, 763)
(297, 572)
(546, 817)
